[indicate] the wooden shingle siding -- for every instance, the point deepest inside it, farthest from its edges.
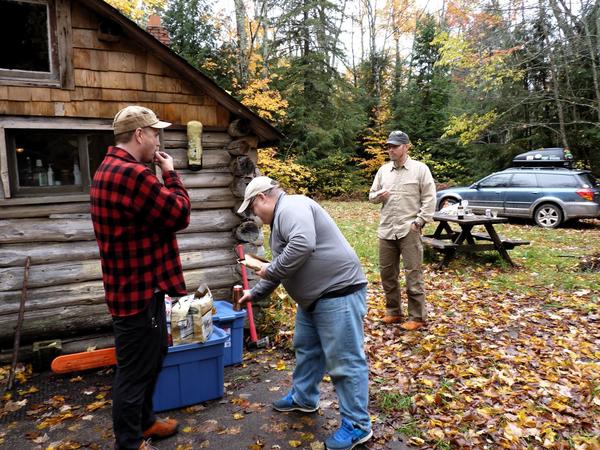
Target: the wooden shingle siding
(108, 76)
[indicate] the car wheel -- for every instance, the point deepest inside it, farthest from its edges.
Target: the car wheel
(447, 201)
(548, 216)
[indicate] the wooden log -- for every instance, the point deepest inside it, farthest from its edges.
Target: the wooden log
(239, 148)
(210, 159)
(239, 128)
(216, 277)
(88, 293)
(238, 187)
(58, 316)
(44, 210)
(227, 204)
(57, 322)
(242, 166)
(248, 231)
(211, 195)
(77, 271)
(204, 241)
(40, 230)
(243, 145)
(15, 254)
(210, 140)
(203, 179)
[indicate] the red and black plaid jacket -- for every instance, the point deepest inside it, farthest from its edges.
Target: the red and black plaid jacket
(135, 219)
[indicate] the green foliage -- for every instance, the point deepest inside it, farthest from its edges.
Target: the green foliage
(390, 401)
(194, 30)
(335, 176)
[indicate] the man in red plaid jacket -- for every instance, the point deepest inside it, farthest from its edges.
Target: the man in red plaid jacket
(135, 218)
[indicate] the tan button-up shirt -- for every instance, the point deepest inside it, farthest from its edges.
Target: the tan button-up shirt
(412, 197)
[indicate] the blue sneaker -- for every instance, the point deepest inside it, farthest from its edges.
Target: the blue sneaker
(347, 437)
(287, 403)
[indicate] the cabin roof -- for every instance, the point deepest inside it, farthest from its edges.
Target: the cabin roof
(268, 135)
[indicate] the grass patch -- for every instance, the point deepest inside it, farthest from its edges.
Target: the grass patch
(394, 401)
(409, 429)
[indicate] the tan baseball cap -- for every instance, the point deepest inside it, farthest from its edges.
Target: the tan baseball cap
(255, 187)
(133, 117)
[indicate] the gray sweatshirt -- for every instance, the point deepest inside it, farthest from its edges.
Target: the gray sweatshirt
(311, 257)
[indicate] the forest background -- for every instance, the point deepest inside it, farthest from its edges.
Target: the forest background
(472, 82)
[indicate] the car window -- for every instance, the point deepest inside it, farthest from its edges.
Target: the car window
(555, 180)
(498, 180)
(589, 179)
(523, 180)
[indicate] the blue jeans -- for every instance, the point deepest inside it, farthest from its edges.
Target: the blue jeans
(331, 338)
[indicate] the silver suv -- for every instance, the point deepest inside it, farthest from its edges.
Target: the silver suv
(548, 195)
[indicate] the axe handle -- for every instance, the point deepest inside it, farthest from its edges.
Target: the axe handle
(253, 335)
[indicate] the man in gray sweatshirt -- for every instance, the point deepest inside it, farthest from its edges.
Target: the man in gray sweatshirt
(322, 273)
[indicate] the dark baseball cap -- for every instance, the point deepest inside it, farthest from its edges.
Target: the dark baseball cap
(397, 138)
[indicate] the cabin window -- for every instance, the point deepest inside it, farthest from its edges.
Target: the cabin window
(47, 162)
(30, 49)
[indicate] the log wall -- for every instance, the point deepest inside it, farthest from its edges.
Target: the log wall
(65, 294)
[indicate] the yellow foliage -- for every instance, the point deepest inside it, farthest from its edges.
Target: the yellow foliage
(266, 102)
(469, 127)
(294, 177)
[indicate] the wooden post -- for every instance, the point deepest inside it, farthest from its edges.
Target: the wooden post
(17, 342)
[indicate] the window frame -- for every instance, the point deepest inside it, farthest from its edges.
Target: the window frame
(8, 169)
(60, 51)
(495, 175)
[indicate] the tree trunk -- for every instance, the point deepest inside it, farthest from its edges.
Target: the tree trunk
(240, 19)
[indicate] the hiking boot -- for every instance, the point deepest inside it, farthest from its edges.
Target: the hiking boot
(145, 445)
(347, 437)
(161, 429)
(412, 325)
(388, 320)
(287, 403)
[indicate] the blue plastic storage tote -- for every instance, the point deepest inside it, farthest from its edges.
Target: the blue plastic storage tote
(232, 322)
(191, 373)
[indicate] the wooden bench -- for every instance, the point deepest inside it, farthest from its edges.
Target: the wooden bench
(448, 248)
(438, 244)
(509, 244)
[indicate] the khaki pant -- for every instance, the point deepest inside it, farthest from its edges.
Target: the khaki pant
(410, 248)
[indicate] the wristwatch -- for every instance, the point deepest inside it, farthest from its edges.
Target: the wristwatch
(417, 224)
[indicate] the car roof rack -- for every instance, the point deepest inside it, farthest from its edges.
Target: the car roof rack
(539, 168)
(544, 158)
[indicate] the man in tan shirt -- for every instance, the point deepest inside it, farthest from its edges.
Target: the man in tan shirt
(406, 189)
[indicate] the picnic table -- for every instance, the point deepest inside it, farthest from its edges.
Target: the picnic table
(450, 241)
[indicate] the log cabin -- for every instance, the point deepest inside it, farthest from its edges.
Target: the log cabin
(66, 68)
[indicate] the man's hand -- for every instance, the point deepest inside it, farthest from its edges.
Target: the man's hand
(164, 161)
(263, 271)
(383, 195)
(247, 297)
(415, 227)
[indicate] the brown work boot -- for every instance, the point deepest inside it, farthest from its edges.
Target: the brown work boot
(388, 320)
(412, 325)
(145, 445)
(162, 428)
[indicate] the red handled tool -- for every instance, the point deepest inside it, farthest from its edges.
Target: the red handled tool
(254, 341)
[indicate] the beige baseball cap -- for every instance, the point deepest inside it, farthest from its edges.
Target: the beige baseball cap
(255, 187)
(133, 117)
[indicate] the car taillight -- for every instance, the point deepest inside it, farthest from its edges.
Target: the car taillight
(587, 194)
